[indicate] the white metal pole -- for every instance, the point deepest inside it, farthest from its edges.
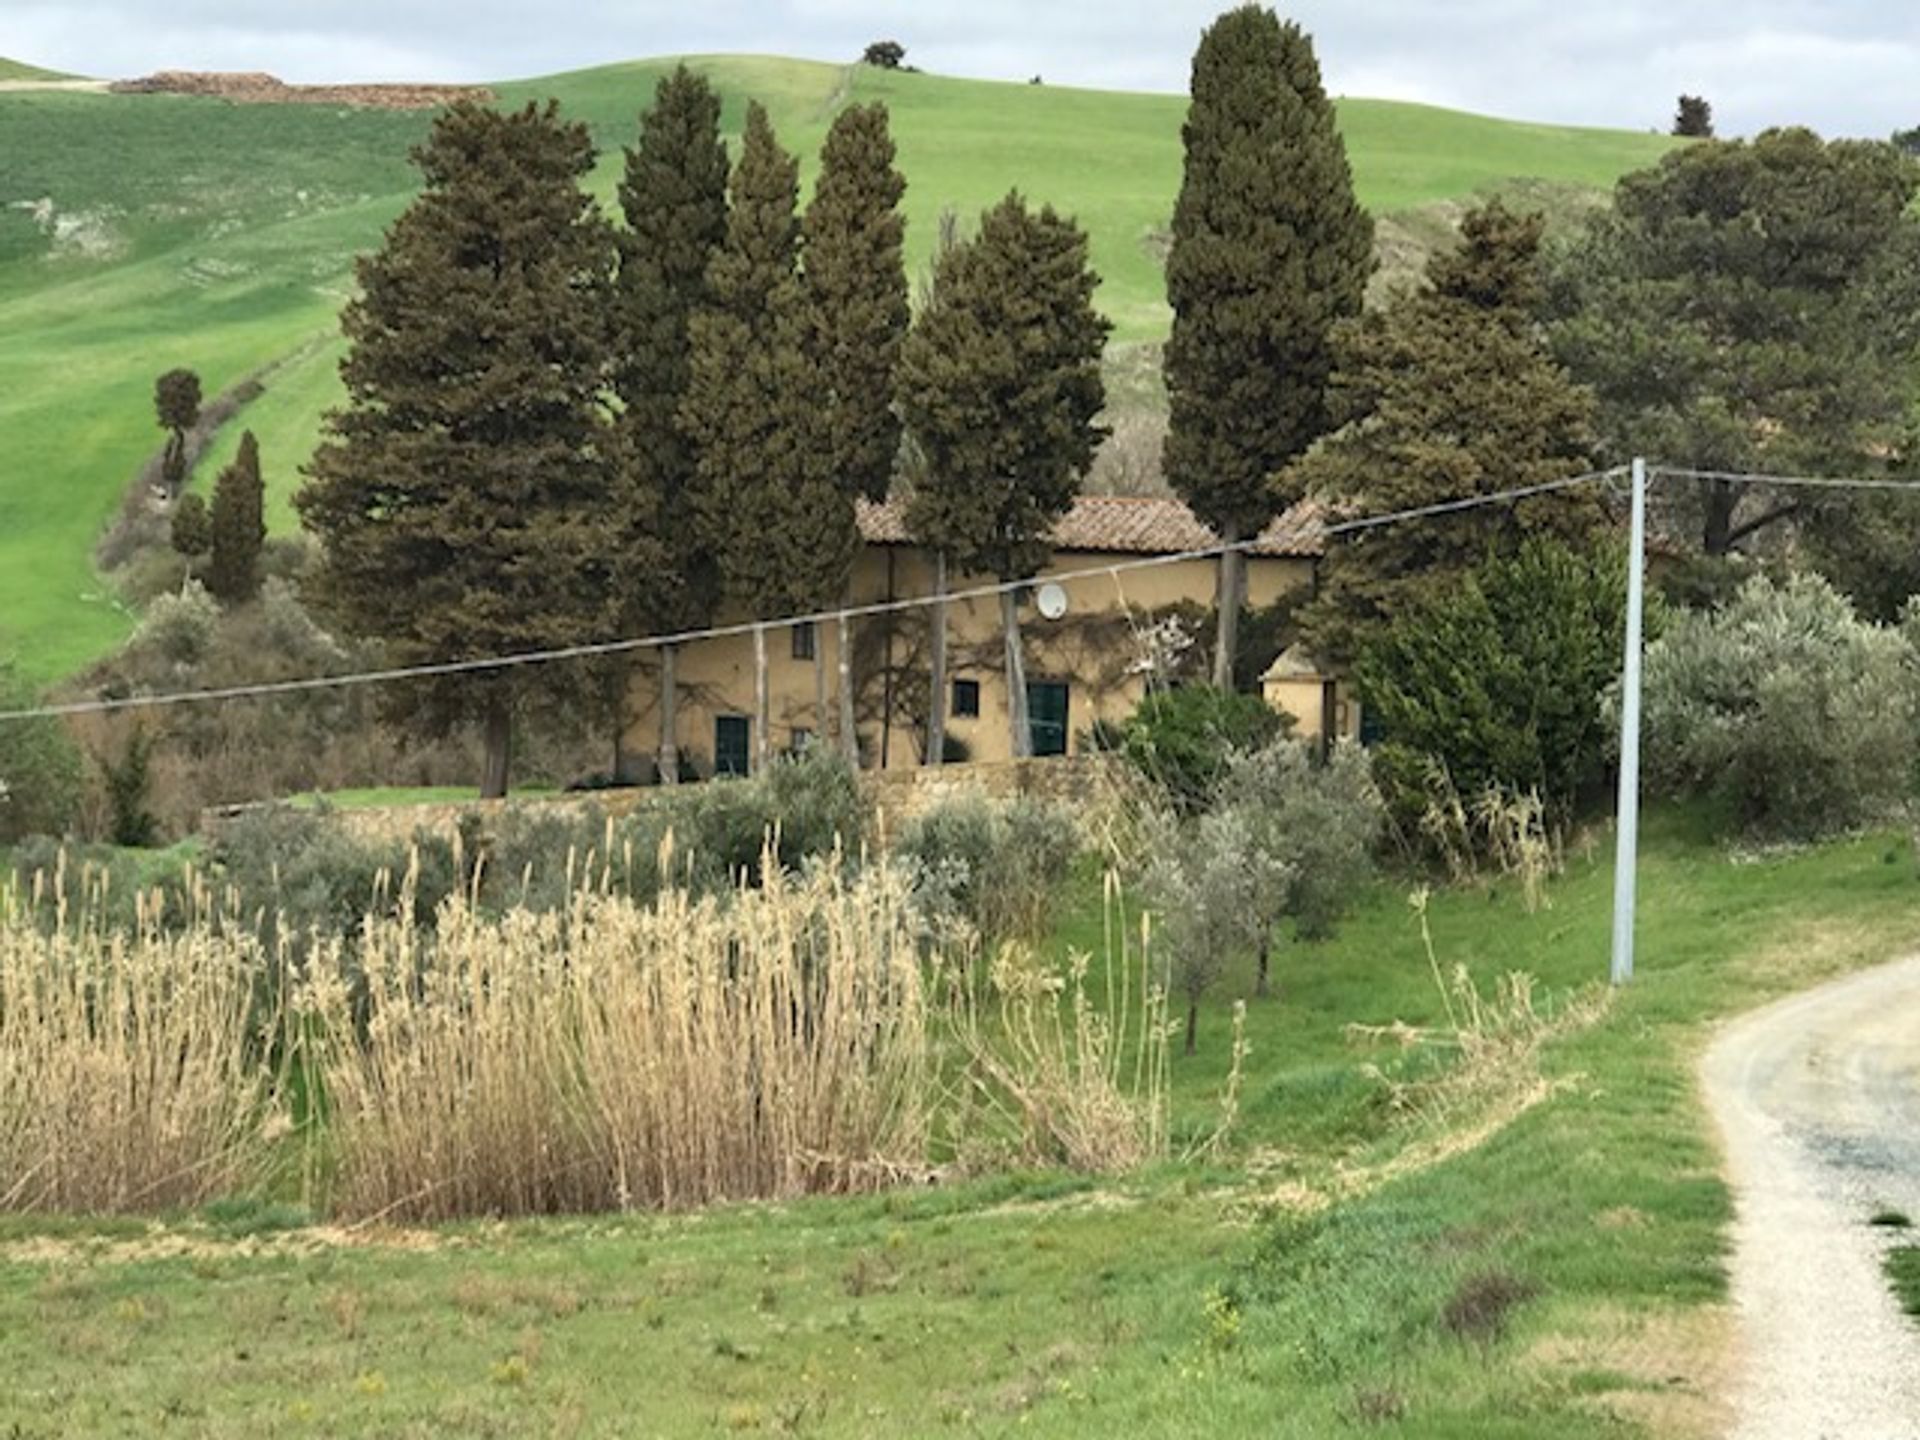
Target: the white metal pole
(1627, 811)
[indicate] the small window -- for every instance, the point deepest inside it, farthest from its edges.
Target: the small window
(966, 699)
(803, 640)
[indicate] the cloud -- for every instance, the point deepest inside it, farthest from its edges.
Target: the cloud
(1844, 66)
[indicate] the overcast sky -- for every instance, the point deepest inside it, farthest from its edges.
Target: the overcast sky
(1844, 66)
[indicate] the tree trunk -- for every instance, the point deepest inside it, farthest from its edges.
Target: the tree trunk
(497, 739)
(1017, 719)
(616, 706)
(821, 726)
(1260, 984)
(1721, 498)
(669, 718)
(937, 664)
(1229, 596)
(843, 655)
(1193, 1025)
(762, 704)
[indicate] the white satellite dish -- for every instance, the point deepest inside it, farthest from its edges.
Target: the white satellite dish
(1051, 601)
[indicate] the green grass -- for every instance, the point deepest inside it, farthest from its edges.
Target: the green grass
(1189, 1301)
(193, 232)
(382, 797)
(1903, 1271)
(20, 70)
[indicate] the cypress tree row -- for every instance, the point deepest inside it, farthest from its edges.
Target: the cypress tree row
(674, 197)
(856, 290)
(460, 494)
(1269, 250)
(1449, 392)
(236, 527)
(765, 500)
(1000, 386)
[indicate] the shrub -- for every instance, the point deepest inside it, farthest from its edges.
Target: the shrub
(995, 867)
(1181, 739)
(1211, 885)
(885, 54)
(1785, 705)
(180, 628)
(129, 785)
(1315, 821)
(41, 775)
(1501, 678)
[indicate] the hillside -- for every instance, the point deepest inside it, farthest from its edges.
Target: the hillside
(20, 70)
(142, 232)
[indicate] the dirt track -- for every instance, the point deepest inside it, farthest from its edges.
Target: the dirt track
(1818, 1099)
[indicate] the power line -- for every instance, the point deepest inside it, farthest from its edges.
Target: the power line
(1319, 530)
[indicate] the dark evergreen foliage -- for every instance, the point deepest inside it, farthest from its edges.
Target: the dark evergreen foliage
(885, 54)
(1449, 392)
(461, 492)
(1693, 118)
(191, 532)
(236, 527)
(1270, 249)
(176, 405)
(1750, 306)
(1499, 677)
(1000, 386)
(674, 197)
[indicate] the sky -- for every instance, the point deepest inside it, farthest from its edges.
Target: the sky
(1842, 66)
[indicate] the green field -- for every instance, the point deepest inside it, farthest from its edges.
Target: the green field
(143, 232)
(20, 70)
(1203, 1299)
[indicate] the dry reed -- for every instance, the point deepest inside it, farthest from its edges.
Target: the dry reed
(612, 1056)
(136, 1070)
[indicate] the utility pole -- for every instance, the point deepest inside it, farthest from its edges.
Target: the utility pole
(1627, 810)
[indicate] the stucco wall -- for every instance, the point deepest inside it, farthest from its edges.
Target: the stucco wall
(1094, 649)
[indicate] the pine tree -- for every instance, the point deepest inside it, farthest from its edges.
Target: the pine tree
(1693, 118)
(460, 493)
(674, 196)
(1000, 386)
(1270, 250)
(176, 405)
(765, 501)
(856, 291)
(1447, 393)
(236, 527)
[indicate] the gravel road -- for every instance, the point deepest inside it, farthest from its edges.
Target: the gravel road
(1818, 1099)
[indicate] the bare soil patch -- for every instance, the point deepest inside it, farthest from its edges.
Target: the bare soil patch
(256, 87)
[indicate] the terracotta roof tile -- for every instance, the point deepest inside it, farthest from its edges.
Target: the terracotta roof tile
(1127, 525)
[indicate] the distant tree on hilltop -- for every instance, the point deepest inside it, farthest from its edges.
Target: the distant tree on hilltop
(176, 405)
(886, 54)
(1693, 118)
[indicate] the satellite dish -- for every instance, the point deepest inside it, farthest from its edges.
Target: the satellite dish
(1051, 601)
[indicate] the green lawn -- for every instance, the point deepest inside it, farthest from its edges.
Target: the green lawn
(184, 231)
(1198, 1299)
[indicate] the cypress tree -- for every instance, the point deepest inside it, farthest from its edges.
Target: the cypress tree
(191, 531)
(176, 405)
(1447, 393)
(674, 197)
(460, 493)
(237, 527)
(856, 291)
(1270, 250)
(765, 503)
(1000, 386)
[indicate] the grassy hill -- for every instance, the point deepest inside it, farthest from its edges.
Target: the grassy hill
(142, 232)
(20, 70)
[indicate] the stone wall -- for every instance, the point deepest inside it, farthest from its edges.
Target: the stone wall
(1078, 782)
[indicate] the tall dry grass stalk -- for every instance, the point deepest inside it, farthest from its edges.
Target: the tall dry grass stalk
(1493, 1043)
(137, 1071)
(614, 1056)
(1504, 828)
(1062, 1079)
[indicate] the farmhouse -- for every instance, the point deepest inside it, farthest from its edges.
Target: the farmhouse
(1088, 663)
